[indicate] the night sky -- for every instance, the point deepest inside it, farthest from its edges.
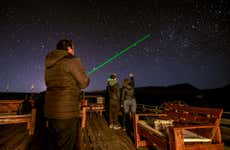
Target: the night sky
(189, 43)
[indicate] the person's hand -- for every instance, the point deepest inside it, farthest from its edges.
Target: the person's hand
(122, 106)
(131, 75)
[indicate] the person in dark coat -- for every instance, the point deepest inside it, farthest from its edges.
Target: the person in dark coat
(114, 102)
(64, 78)
(128, 100)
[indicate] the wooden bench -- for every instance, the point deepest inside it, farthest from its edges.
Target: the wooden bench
(180, 127)
(11, 113)
(86, 106)
(95, 106)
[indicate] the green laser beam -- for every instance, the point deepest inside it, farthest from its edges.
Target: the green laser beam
(118, 54)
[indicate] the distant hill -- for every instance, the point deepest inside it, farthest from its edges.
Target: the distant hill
(218, 97)
(156, 95)
(17, 95)
(159, 95)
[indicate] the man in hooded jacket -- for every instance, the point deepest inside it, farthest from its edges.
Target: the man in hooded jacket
(114, 102)
(64, 78)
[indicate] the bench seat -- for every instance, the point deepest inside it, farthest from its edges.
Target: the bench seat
(180, 127)
(10, 114)
(190, 136)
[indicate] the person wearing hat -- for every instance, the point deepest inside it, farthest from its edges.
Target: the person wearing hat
(114, 102)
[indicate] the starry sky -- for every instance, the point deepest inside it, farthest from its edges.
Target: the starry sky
(189, 43)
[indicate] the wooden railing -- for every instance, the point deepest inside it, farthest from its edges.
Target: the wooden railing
(11, 113)
(96, 106)
(203, 123)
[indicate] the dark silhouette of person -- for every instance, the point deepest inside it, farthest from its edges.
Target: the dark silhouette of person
(64, 78)
(128, 100)
(114, 102)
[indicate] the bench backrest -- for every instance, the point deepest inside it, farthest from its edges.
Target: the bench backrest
(193, 115)
(10, 106)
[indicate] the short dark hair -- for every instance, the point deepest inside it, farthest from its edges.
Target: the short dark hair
(64, 44)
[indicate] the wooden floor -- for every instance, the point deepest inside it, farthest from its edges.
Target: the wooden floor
(96, 136)
(14, 137)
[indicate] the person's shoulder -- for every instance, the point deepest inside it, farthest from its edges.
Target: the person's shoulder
(69, 56)
(72, 59)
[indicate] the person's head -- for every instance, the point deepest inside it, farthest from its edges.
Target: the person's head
(131, 75)
(125, 82)
(113, 76)
(66, 45)
(112, 79)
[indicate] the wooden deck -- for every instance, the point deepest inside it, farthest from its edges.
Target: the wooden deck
(14, 136)
(95, 136)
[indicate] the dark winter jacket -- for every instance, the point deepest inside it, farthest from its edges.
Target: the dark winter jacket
(113, 91)
(128, 90)
(64, 77)
(127, 93)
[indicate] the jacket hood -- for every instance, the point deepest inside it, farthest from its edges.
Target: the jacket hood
(53, 57)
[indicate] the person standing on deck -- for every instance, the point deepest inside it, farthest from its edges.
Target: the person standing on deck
(128, 100)
(64, 78)
(114, 102)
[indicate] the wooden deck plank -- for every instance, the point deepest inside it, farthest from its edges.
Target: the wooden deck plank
(101, 137)
(104, 138)
(14, 137)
